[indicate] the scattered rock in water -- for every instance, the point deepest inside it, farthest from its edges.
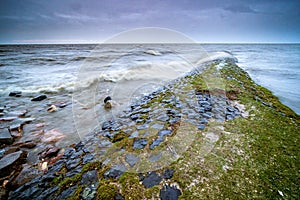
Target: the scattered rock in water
(1, 109)
(20, 113)
(11, 161)
(7, 119)
(27, 144)
(15, 94)
(169, 193)
(39, 98)
(52, 136)
(5, 136)
(151, 180)
(52, 108)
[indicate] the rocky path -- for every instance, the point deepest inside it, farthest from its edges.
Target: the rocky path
(134, 151)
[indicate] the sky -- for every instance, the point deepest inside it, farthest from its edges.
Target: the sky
(204, 21)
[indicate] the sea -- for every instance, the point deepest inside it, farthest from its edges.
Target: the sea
(82, 75)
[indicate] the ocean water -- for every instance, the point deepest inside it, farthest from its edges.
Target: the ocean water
(84, 74)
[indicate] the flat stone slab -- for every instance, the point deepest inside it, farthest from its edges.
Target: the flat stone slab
(8, 162)
(5, 136)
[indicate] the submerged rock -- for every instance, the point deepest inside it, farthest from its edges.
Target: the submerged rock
(15, 94)
(39, 98)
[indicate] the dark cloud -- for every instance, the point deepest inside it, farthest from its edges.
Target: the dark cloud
(207, 20)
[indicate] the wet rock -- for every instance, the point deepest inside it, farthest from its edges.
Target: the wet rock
(201, 127)
(163, 118)
(106, 125)
(16, 127)
(151, 180)
(135, 116)
(10, 149)
(115, 172)
(67, 192)
(7, 119)
(168, 173)
(140, 143)
(142, 127)
(203, 121)
(5, 137)
(52, 136)
(73, 172)
(27, 174)
(27, 144)
(157, 126)
(229, 117)
(39, 98)
(163, 133)
(89, 177)
(52, 108)
(131, 159)
(70, 164)
(169, 193)
(1, 109)
(9, 162)
(15, 94)
(87, 158)
(49, 152)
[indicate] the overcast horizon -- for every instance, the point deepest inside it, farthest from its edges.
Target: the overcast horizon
(208, 21)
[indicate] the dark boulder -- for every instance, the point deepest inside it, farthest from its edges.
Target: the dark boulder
(15, 94)
(39, 98)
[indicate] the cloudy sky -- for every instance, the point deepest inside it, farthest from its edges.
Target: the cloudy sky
(65, 21)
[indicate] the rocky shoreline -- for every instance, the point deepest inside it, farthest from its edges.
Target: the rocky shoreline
(140, 153)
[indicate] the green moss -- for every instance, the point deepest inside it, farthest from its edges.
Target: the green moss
(91, 166)
(77, 193)
(106, 190)
(131, 189)
(255, 157)
(118, 137)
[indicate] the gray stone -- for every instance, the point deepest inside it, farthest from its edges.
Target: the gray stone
(168, 173)
(151, 180)
(5, 137)
(140, 143)
(163, 118)
(169, 193)
(11, 161)
(89, 177)
(157, 126)
(131, 159)
(156, 142)
(142, 127)
(115, 172)
(134, 134)
(165, 132)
